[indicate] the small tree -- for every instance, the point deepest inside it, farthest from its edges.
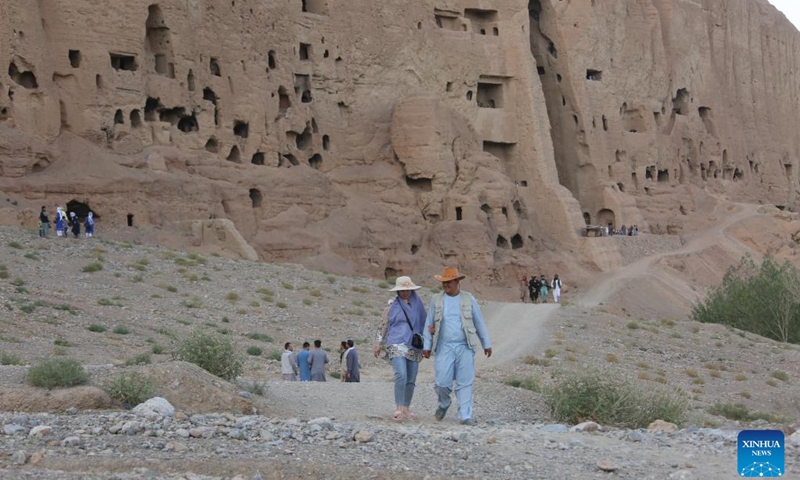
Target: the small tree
(763, 299)
(211, 352)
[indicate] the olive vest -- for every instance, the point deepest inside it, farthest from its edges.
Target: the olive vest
(470, 332)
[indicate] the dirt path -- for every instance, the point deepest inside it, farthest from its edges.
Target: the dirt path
(615, 281)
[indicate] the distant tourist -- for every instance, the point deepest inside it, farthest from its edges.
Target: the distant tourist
(302, 363)
(533, 287)
(623, 230)
(523, 289)
(44, 222)
(342, 360)
(403, 317)
(317, 360)
(90, 225)
(288, 362)
(352, 368)
(76, 224)
(454, 330)
(543, 289)
(556, 286)
(61, 222)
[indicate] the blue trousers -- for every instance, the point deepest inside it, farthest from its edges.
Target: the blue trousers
(405, 378)
(455, 362)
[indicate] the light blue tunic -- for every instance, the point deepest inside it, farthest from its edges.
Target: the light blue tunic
(455, 360)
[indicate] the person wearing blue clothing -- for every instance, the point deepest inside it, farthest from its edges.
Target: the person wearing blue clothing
(453, 328)
(302, 363)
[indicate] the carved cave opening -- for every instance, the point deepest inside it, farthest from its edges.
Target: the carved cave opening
(271, 64)
(315, 161)
(213, 67)
(326, 142)
(481, 20)
(258, 158)
(119, 118)
(234, 155)
(212, 145)
(136, 118)
(159, 42)
(25, 79)
(305, 51)
(315, 6)
(502, 242)
(241, 128)
(74, 58)
(255, 197)
(419, 184)
(122, 61)
(517, 242)
(594, 75)
(150, 107)
(680, 104)
(459, 214)
(490, 95)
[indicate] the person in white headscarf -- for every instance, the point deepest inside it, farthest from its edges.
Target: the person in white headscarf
(90, 225)
(61, 221)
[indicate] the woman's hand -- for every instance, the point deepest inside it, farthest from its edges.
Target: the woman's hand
(377, 351)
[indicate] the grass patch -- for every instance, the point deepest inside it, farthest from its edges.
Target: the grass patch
(281, 305)
(195, 302)
(331, 279)
(265, 291)
(261, 337)
(92, 267)
(738, 411)
(771, 383)
(609, 399)
(275, 355)
(61, 342)
(632, 325)
(57, 372)
(740, 377)
(254, 351)
(307, 301)
(97, 328)
(780, 375)
(611, 358)
(287, 285)
(691, 372)
(232, 296)
(527, 383)
(157, 349)
(121, 330)
(256, 388)
(211, 352)
(141, 359)
(131, 388)
(16, 245)
(9, 359)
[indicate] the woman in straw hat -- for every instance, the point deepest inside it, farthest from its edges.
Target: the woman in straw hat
(403, 317)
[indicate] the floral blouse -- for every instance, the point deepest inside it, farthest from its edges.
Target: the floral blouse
(398, 349)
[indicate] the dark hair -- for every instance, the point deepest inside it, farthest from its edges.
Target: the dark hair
(286, 346)
(317, 343)
(306, 344)
(349, 343)
(344, 343)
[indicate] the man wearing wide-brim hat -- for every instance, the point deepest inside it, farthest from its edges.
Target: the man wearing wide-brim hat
(454, 327)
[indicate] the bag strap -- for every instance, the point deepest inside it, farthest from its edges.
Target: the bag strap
(407, 320)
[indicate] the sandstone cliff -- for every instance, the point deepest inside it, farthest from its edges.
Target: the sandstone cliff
(394, 137)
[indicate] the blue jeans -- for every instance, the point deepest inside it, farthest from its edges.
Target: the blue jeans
(405, 377)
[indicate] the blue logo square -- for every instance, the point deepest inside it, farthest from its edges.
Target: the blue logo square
(761, 453)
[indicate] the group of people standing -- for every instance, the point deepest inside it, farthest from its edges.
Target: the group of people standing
(309, 365)
(64, 223)
(452, 329)
(538, 288)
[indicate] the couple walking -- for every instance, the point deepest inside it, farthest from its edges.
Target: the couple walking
(452, 329)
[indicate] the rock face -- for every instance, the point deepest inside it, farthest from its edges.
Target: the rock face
(396, 137)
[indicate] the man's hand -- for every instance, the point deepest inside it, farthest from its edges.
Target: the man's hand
(426, 353)
(487, 352)
(432, 329)
(376, 351)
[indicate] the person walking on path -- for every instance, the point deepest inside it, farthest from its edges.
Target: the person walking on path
(534, 285)
(288, 363)
(44, 222)
(61, 222)
(76, 224)
(317, 360)
(402, 318)
(556, 286)
(454, 326)
(302, 363)
(523, 289)
(90, 225)
(544, 288)
(352, 368)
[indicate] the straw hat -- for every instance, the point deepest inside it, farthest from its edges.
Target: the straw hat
(450, 273)
(404, 283)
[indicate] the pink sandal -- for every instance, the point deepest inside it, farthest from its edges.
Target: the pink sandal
(409, 415)
(397, 416)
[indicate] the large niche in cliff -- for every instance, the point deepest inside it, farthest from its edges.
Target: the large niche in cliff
(158, 43)
(482, 21)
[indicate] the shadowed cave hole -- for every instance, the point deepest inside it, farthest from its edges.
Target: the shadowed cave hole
(234, 155)
(212, 145)
(136, 118)
(258, 158)
(241, 128)
(25, 79)
(315, 161)
(74, 58)
(255, 197)
(419, 184)
(119, 118)
(516, 242)
(121, 61)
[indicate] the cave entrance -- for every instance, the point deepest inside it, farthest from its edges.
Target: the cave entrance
(81, 209)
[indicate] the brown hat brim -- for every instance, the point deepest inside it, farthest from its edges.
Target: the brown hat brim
(447, 279)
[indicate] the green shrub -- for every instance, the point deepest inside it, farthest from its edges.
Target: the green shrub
(232, 296)
(141, 359)
(738, 411)
(212, 352)
(331, 279)
(96, 328)
(256, 388)
(529, 383)
(780, 375)
(336, 375)
(261, 336)
(16, 245)
(157, 349)
(61, 342)
(609, 399)
(763, 299)
(275, 355)
(9, 359)
(93, 267)
(281, 305)
(254, 351)
(57, 372)
(121, 330)
(132, 388)
(307, 301)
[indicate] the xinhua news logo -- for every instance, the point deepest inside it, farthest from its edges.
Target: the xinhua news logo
(761, 453)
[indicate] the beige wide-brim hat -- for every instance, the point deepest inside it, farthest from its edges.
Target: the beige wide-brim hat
(450, 273)
(404, 283)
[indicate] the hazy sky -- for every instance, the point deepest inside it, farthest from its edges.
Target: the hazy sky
(790, 8)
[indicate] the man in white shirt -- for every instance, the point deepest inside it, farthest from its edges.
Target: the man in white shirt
(288, 363)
